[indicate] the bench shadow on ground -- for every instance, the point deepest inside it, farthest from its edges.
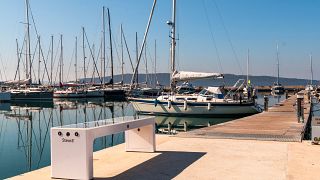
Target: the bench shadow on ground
(167, 165)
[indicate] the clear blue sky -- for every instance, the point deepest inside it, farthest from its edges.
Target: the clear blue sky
(257, 25)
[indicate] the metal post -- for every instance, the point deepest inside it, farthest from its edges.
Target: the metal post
(266, 102)
(169, 127)
(185, 126)
(300, 110)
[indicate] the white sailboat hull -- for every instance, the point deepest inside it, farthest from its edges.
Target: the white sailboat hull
(69, 95)
(148, 106)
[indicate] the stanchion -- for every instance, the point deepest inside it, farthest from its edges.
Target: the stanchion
(266, 102)
(300, 109)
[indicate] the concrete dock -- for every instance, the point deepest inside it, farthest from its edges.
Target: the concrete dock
(216, 152)
(200, 158)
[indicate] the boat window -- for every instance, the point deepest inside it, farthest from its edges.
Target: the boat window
(179, 99)
(192, 99)
(203, 92)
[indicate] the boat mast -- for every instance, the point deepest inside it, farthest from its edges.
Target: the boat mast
(122, 63)
(61, 61)
(28, 51)
(104, 46)
(143, 43)
(125, 42)
(51, 71)
(137, 58)
(110, 40)
(278, 64)
(248, 68)
(39, 60)
(155, 63)
(18, 68)
(172, 23)
(145, 55)
(84, 56)
(311, 69)
(76, 59)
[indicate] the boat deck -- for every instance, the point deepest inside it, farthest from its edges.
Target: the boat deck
(279, 123)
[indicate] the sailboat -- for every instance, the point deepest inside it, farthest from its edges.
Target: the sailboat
(277, 88)
(28, 90)
(109, 92)
(210, 102)
(310, 87)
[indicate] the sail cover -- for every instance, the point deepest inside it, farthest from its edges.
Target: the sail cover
(24, 81)
(189, 76)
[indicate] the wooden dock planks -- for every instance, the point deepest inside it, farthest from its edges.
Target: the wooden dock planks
(279, 123)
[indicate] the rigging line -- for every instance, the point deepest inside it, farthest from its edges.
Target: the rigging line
(49, 50)
(45, 64)
(21, 137)
(19, 58)
(33, 21)
(212, 37)
(228, 36)
(45, 137)
(125, 42)
(3, 68)
(115, 46)
(72, 56)
(3, 132)
(34, 134)
(152, 64)
(33, 58)
(95, 65)
(97, 59)
(0, 69)
(89, 63)
(55, 58)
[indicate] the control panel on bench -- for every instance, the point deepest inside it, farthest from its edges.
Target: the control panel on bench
(72, 145)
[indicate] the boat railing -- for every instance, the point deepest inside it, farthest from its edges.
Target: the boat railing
(234, 91)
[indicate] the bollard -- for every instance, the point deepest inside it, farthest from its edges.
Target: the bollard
(309, 96)
(169, 127)
(266, 102)
(287, 94)
(185, 126)
(300, 110)
(209, 124)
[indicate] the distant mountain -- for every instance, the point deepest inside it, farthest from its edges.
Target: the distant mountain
(228, 80)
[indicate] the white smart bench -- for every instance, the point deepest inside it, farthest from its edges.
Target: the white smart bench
(72, 145)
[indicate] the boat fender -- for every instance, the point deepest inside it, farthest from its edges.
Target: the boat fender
(209, 106)
(185, 105)
(169, 104)
(156, 102)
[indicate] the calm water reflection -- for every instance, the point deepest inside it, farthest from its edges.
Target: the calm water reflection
(25, 128)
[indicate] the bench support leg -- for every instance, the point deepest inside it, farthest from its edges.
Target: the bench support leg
(71, 157)
(141, 139)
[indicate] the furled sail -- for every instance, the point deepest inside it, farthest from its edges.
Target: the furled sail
(24, 81)
(189, 76)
